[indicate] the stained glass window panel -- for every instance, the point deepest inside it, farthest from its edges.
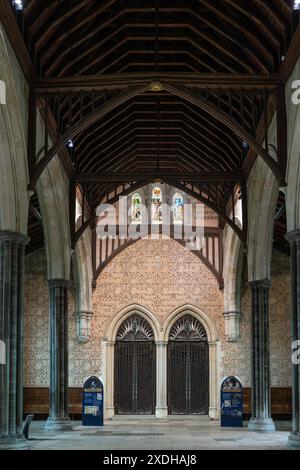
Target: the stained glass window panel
(156, 205)
(178, 208)
(136, 203)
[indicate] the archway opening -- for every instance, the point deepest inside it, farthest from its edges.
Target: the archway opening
(188, 367)
(135, 371)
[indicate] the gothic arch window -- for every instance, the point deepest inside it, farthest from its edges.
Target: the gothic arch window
(136, 203)
(156, 205)
(178, 208)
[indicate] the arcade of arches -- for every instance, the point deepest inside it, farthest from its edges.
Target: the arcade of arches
(202, 115)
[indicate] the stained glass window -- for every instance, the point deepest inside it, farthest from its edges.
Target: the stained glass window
(136, 202)
(156, 205)
(177, 208)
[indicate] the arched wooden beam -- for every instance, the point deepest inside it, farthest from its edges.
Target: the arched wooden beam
(240, 233)
(135, 187)
(83, 124)
(92, 219)
(229, 122)
(130, 242)
(125, 96)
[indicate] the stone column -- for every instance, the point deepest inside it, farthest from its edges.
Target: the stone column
(214, 391)
(58, 394)
(12, 267)
(261, 393)
(108, 362)
(161, 410)
(294, 239)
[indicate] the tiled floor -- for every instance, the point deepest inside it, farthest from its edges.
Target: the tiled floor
(148, 433)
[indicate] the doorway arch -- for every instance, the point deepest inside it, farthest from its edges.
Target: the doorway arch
(135, 371)
(109, 345)
(188, 367)
(213, 350)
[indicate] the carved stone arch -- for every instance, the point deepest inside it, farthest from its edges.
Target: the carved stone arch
(108, 345)
(214, 349)
(83, 275)
(204, 319)
(232, 274)
(118, 319)
(13, 146)
(263, 190)
(53, 194)
(293, 171)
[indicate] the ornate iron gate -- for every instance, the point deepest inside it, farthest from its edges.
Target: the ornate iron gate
(135, 367)
(188, 374)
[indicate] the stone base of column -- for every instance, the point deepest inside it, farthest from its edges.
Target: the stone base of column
(161, 412)
(109, 412)
(14, 443)
(261, 424)
(213, 413)
(294, 441)
(58, 424)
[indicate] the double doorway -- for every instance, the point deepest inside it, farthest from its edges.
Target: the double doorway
(136, 364)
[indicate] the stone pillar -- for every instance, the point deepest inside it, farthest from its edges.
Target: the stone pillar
(214, 391)
(108, 361)
(232, 326)
(294, 239)
(12, 267)
(161, 410)
(83, 324)
(58, 394)
(261, 393)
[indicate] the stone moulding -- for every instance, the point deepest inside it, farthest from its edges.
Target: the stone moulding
(83, 326)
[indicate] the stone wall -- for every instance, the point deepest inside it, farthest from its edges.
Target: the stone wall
(161, 276)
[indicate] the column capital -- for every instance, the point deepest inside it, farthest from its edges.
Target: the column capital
(84, 314)
(293, 236)
(265, 283)
(59, 283)
(232, 314)
(6, 236)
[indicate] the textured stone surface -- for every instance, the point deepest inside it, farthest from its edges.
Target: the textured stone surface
(161, 276)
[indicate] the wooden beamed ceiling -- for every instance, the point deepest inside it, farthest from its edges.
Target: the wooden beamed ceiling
(102, 47)
(91, 37)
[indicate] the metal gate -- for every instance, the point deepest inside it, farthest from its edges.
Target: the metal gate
(135, 367)
(188, 374)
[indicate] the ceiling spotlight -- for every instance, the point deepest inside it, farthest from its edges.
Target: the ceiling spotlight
(245, 144)
(70, 144)
(18, 4)
(296, 4)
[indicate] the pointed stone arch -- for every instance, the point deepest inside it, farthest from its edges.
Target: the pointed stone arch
(214, 349)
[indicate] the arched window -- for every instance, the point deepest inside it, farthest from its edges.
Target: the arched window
(136, 203)
(177, 208)
(156, 205)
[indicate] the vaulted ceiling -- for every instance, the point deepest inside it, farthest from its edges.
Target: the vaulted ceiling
(82, 38)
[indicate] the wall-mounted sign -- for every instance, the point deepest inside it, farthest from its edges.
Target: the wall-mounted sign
(92, 402)
(231, 402)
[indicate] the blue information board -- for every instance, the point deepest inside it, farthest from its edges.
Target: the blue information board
(92, 402)
(231, 402)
